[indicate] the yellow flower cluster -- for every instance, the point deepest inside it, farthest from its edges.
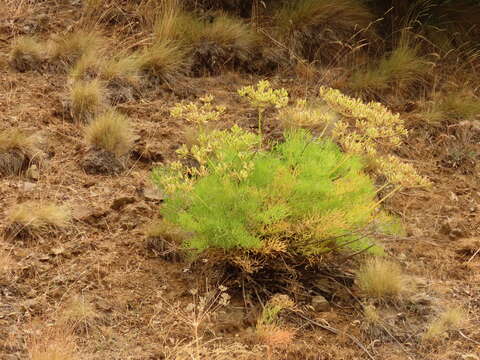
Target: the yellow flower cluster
(263, 96)
(370, 129)
(198, 114)
(232, 149)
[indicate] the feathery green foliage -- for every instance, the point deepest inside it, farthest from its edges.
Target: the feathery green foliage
(303, 197)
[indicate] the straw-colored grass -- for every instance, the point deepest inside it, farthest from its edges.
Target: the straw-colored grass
(53, 343)
(27, 53)
(381, 279)
(110, 131)
(398, 71)
(451, 319)
(72, 46)
(86, 99)
(36, 218)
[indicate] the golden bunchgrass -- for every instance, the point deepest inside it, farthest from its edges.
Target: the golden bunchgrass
(318, 29)
(78, 313)
(398, 71)
(164, 60)
(27, 53)
(53, 343)
(86, 99)
(381, 279)
(122, 71)
(110, 131)
(70, 47)
(36, 218)
(86, 68)
(451, 319)
(16, 139)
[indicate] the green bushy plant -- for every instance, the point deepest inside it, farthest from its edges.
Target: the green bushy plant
(303, 197)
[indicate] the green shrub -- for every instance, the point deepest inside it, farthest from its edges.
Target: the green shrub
(303, 197)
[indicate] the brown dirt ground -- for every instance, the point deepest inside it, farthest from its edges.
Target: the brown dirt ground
(103, 257)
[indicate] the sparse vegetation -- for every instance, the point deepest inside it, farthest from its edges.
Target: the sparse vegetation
(381, 279)
(110, 131)
(292, 208)
(34, 219)
(87, 99)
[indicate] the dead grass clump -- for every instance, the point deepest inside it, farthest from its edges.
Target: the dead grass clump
(399, 71)
(86, 99)
(78, 313)
(381, 279)
(214, 42)
(54, 343)
(33, 219)
(322, 29)
(122, 77)
(27, 54)
(68, 48)
(165, 240)
(460, 106)
(86, 68)
(451, 319)
(17, 151)
(110, 131)
(163, 61)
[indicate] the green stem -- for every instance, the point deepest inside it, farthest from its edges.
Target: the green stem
(260, 120)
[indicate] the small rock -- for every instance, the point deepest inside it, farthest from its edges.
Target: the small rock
(101, 162)
(320, 304)
(152, 193)
(28, 186)
(120, 202)
(33, 172)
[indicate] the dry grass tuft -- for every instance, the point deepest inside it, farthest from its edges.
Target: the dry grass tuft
(322, 29)
(56, 343)
(165, 239)
(110, 131)
(70, 47)
(399, 71)
(86, 99)
(165, 60)
(27, 54)
(381, 279)
(33, 219)
(17, 151)
(7, 265)
(451, 319)
(123, 71)
(212, 43)
(78, 313)
(86, 68)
